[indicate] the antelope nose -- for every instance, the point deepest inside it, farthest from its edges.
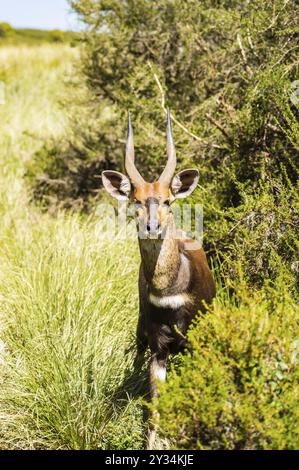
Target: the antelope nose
(153, 227)
(153, 219)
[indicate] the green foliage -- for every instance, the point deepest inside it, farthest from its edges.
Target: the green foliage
(237, 388)
(226, 70)
(27, 36)
(261, 233)
(5, 30)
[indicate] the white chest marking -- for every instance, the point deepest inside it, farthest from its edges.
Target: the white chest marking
(169, 301)
(159, 372)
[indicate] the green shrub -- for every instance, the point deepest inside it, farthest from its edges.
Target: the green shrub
(226, 69)
(261, 233)
(5, 30)
(238, 386)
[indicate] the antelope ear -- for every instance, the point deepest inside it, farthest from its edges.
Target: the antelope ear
(117, 184)
(184, 183)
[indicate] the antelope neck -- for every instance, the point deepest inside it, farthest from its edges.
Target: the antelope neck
(162, 263)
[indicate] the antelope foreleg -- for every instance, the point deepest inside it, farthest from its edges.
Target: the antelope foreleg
(157, 374)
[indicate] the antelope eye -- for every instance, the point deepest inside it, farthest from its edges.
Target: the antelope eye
(166, 203)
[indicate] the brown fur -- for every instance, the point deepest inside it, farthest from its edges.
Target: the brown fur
(156, 189)
(163, 273)
(173, 270)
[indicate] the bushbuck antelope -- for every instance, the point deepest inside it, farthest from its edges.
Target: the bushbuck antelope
(175, 281)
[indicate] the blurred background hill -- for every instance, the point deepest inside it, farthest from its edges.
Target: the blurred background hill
(26, 36)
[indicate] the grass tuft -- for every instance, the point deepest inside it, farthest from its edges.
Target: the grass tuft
(68, 295)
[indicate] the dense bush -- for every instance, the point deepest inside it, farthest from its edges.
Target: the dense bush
(238, 386)
(5, 30)
(226, 68)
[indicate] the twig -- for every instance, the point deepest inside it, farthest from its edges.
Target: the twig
(228, 108)
(284, 56)
(176, 329)
(218, 125)
(194, 136)
(44, 179)
(275, 17)
(172, 117)
(249, 40)
(273, 127)
(243, 53)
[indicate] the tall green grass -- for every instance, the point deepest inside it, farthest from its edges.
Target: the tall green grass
(68, 295)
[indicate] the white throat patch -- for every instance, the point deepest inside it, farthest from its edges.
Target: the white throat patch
(169, 301)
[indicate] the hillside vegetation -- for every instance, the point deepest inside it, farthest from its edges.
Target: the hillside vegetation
(29, 36)
(228, 71)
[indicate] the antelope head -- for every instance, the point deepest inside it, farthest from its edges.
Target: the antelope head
(152, 200)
